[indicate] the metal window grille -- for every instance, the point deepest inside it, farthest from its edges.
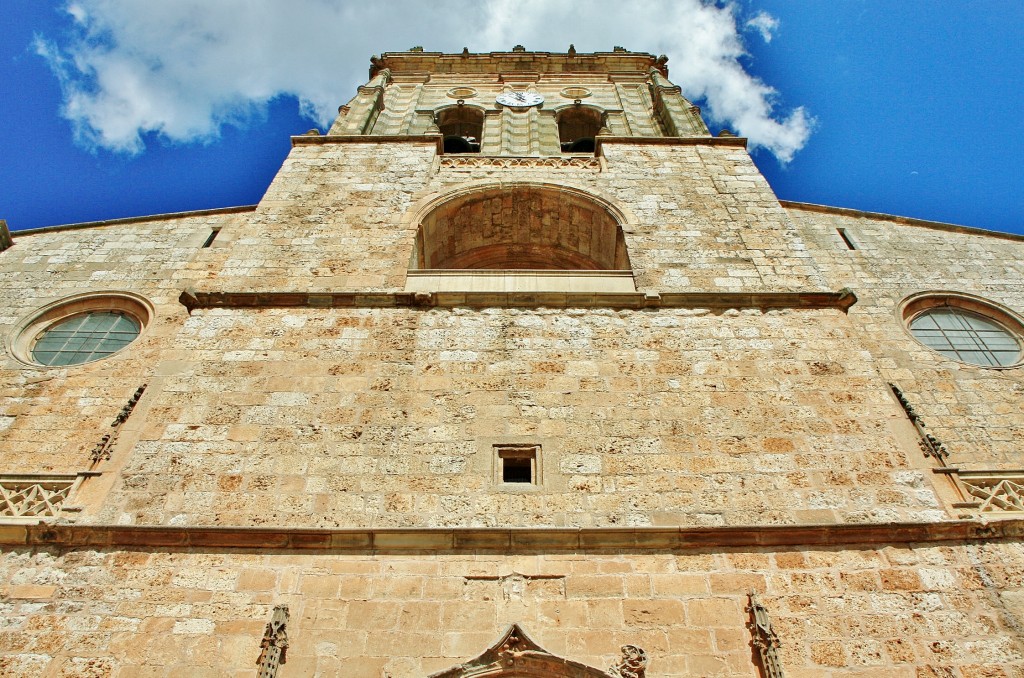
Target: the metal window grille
(966, 336)
(85, 337)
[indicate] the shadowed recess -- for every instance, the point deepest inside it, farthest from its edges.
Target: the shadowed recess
(521, 227)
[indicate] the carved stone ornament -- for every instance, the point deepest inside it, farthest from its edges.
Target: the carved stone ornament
(103, 449)
(763, 638)
(633, 663)
(516, 655)
(25, 498)
(274, 645)
(464, 162)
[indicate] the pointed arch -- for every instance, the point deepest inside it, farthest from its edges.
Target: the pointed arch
(515, 655)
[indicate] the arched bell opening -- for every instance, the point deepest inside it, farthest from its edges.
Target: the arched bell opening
(521, 227)
(462, 127)
(577, 128)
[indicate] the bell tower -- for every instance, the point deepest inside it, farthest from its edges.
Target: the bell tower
(591, 171)
(519, 103)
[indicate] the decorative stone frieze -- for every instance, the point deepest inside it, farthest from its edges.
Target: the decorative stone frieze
(476, 162)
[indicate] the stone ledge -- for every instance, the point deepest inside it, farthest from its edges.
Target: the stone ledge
(842, 300)
(506, 540)
(314, 139)
(740, 142)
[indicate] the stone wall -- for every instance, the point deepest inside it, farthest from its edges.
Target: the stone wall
(389, 417)
(977, 412)
(344, 216)
(51, 417)
(886, 611)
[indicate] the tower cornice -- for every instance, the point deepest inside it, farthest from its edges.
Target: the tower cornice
(439, 63)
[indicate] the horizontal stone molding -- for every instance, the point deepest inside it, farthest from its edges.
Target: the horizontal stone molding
(517, 66)
(321, 139)
(507, 540)
(740, 142)
(841, 300)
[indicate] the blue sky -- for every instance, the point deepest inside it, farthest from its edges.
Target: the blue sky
(116, 108)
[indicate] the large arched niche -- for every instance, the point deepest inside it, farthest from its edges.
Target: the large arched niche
(489, 236)
(514, 655)
(521, 227)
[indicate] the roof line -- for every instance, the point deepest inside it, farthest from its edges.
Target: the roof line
(134, 220)
(908, 221)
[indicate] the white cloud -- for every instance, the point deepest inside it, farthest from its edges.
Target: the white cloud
(765, 24)
(183, 69)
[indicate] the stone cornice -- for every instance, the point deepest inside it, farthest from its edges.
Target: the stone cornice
(511, 63)
(740, 142)
(906, 221)
(842, 299)
(321, 139)
(505, 540)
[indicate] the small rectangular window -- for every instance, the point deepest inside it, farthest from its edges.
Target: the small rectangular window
(846, 238)
(213, 236)
(518, 464)
(517, 470)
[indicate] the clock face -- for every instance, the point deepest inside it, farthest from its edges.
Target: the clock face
(519, 99)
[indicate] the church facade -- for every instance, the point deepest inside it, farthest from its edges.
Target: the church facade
(515, 371)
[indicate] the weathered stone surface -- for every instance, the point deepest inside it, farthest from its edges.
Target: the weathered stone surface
(292, 382)
(139, 612)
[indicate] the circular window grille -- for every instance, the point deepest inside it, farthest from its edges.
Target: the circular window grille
(576, 92)
(461, 92)
(85, 337)
(966, 329)
(81, 329)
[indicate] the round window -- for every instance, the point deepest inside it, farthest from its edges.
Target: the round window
(965, 329)
(461, 93)
(85, 337)
(575, 92)
(81, 329)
